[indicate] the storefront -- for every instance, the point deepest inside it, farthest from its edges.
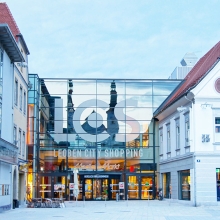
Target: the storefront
(101, 127)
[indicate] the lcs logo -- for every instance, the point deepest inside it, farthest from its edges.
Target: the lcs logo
(95, 120)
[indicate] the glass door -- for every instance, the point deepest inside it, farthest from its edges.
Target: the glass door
(185, 184)
(133, 187)
(114, 188)
(146, 187)
(88, 189)
(97, 189)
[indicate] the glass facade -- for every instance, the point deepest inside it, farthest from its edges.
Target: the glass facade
(101, 127)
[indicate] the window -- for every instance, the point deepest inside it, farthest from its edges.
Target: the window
(177, 134)
(161, 140)
(184, 188)
(16, 92)
(15, 135)
(23, 144)
(187, 130)
(168, 139)
(21, 94)
(19, 141)
(217, 129)
(24, 102)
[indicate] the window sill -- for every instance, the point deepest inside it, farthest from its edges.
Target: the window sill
(177, 149)
(187, 146)
(169, 152)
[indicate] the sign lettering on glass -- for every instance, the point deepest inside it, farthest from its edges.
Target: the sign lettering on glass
(104, 135)
(107, 153)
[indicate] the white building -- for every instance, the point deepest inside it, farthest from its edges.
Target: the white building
(187, 63)
(189, 135)
(14, 105)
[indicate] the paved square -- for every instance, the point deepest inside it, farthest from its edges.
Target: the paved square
(112, 210)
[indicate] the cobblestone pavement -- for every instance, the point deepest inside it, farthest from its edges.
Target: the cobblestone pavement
(112, 210)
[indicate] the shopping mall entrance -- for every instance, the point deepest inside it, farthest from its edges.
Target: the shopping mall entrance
(97, 187)
(140, 186)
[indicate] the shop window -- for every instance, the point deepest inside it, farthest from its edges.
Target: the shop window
(4, 189)
(166, 185)
(184, 186)
(218, 183)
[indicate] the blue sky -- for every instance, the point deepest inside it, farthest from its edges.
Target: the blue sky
(143, 39)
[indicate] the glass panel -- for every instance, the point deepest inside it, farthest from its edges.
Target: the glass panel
(88, 189)
(218, 183)
(146, 187)
(185, 184)
(164, 87)
(45, 187)
(59, 187)
(114, 186)
(133, 187)
(139, 87)
(97, 189)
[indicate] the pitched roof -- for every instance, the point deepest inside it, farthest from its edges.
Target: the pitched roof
(6, 17)
(198, 72)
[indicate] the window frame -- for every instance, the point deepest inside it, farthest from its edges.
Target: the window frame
(21, 98)
(187, 130)
(16, 92)
(168, 139)
(24, 102)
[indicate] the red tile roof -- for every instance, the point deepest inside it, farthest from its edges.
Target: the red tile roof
(197, 73)
(6, 17)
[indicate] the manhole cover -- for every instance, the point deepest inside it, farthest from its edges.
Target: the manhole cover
(99, 212)
(125, 211)
(58, 216)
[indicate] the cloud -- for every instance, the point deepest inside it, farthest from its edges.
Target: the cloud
(119, 39)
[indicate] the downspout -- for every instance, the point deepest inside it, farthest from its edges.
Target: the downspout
(192, 118)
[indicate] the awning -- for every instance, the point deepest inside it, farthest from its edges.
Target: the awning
(9, 44)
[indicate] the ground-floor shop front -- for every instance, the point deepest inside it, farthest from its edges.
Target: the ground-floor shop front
(194, 179)
(93, 186)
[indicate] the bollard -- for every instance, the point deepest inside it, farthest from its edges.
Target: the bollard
(148, 197)
(127, 199)
(116, 197)
(83, 201)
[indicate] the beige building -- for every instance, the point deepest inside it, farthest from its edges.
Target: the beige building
(19, 106)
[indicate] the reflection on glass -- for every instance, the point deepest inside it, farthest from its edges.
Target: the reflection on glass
(114, 186)
(146, 187)
(88, 189)
(133, 187)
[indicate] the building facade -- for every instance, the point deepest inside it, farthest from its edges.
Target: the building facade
(13, 108)
(189, 135)
(9, 54)
(101, 127)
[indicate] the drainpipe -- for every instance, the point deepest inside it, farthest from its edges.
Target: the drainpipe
(192, 126)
